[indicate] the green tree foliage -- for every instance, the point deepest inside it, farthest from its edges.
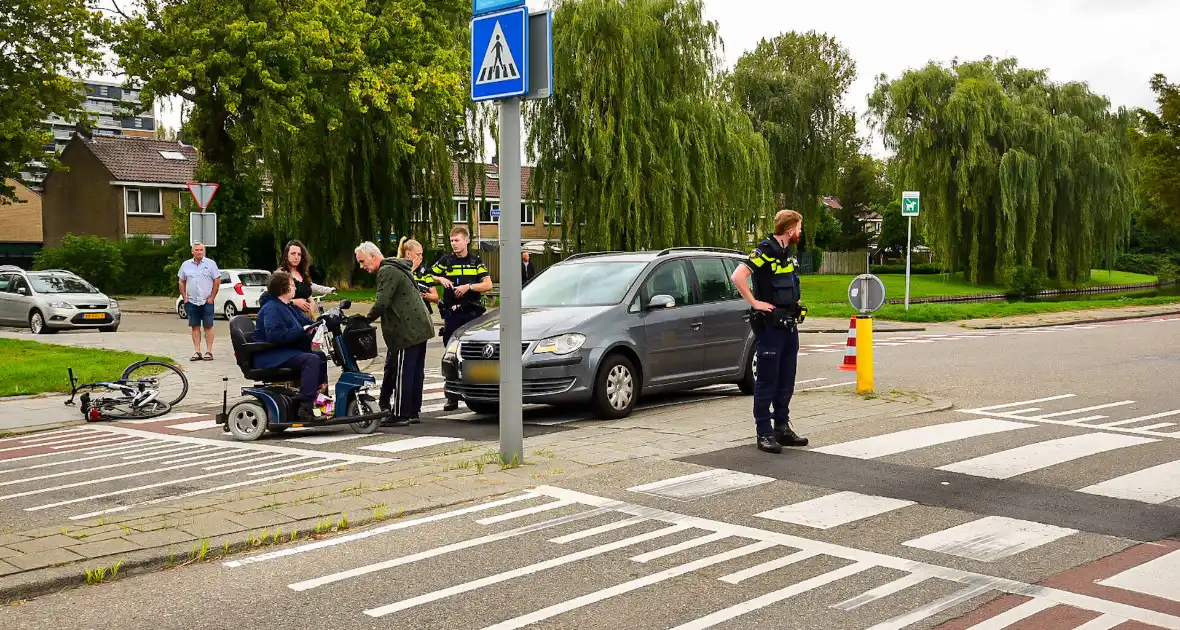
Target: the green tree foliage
(1014, 170)
(1158, 147)
(638, 142)
(46, 46)
(94, 258)
(893, 229)
(791, 86)
(863, 187)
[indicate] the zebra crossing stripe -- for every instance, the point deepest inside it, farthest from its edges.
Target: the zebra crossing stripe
(1150, 485)
(834, 510)
(1025, 459)
(922, 437)
(990, 538)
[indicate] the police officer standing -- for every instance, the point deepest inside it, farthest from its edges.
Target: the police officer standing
(463, 277)
(775, 316)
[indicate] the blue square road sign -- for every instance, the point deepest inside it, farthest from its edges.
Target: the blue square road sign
(500, 55)
(479, 7)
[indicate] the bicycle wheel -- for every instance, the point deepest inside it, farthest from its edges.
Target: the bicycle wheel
(163, 377)
(121, 409)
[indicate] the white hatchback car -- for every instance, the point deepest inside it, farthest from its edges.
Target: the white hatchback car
(239, 292)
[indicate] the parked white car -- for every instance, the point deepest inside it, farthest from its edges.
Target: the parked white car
(239, 292)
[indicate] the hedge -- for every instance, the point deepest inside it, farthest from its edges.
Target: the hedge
(919, 269)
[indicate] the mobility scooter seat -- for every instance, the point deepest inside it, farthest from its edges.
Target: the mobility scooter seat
(241, 334)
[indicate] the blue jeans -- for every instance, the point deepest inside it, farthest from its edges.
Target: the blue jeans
(778, 355)
(199, 314)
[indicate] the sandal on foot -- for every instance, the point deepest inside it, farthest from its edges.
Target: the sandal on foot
(208, 356)
(196, 357)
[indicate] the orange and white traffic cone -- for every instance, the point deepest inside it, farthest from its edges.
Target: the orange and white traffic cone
(849, 364)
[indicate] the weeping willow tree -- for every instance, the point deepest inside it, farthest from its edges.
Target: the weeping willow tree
(1014, 170)
(382, 114)
(791, 86)
(638, 143)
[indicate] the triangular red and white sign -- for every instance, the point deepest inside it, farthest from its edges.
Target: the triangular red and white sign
(202, 193)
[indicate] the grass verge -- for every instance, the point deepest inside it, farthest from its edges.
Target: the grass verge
(980, 310)
(28, 367)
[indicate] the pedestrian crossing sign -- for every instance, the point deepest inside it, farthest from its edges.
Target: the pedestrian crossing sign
(499, 55)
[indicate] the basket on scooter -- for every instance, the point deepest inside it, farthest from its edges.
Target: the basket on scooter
(360, 337)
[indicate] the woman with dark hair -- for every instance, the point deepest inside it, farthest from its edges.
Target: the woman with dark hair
(297, 262)
(283, 325)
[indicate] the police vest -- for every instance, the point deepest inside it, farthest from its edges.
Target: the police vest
(775, 278)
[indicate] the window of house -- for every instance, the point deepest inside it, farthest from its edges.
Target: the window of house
(486, 213)
(553, 217)
(527, 214)
(462, 214)
(167, 155)
(143, 201)
(712, 279)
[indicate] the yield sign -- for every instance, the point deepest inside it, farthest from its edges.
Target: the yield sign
(202, 193)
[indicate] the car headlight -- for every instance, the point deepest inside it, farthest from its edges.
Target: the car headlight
(60, 305)
(114, 303)
(561, 344)
(452, 348)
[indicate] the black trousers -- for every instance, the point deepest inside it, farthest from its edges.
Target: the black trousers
(313, 372)
(452, 321)
(405, 374)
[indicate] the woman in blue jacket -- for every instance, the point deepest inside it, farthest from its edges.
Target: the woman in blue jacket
(280, 322)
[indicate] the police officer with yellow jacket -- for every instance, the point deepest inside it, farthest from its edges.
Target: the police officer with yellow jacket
(775, 315)
(464, 279)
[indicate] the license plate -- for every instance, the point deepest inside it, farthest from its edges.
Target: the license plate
(94, 316)
(482, 372)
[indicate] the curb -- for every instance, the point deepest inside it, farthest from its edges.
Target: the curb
(1099, 320)
(48, 580)
(844, 331)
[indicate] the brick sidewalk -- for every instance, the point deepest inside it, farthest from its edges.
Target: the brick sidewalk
(38, 561)
(1073, 317)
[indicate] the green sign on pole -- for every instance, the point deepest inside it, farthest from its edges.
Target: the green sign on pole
(909, 203)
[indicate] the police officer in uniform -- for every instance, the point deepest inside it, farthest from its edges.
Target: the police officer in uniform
(464, 278)
(775, 315)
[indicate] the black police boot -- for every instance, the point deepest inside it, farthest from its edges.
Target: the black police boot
(451, 405)
(769, 444)
(788, 437)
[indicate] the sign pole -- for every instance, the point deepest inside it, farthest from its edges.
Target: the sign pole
(909, 228)
(511, 418)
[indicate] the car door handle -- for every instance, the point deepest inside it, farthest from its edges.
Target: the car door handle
(696, 325)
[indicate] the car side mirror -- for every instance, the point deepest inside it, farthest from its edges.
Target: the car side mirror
(22, 291)
(661, 301)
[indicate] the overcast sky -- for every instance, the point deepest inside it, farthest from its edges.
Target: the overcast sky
(1113, 45)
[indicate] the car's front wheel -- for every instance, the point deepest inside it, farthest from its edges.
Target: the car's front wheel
(37, 324)
(616, 388)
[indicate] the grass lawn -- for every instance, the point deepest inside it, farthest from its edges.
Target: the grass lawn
(980, 310)
(28, 367)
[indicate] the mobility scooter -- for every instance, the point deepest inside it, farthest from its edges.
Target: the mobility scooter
(272, 403)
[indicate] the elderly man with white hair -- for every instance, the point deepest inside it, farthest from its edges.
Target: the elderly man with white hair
(405, 326)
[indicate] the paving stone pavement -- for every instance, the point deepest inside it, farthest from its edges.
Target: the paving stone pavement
(328, 501)
(1073, 317)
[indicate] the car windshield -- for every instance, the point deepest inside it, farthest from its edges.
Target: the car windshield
(59, 284)
(598, 283)
(253, 279)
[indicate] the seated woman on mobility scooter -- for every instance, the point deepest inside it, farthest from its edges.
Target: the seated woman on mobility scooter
(280, 322)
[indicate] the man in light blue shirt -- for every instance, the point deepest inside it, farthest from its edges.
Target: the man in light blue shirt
(199, 280)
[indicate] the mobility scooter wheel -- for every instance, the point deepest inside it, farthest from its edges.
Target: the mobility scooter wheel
(247, 420)
(361, 406)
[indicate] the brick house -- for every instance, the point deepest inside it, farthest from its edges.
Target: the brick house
(116, 187)
(536, 225)
(20, 226)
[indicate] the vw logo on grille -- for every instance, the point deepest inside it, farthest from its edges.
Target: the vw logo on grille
(488, 351)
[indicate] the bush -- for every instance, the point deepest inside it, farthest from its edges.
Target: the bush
(94, 258)
(145, 268)
(919, 269)
(1026, 282)
(1150, 264)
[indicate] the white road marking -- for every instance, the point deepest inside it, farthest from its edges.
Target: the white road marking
(410, 444)
(522, 571)
(263, 448)
(1149, 485)
(168, 417)
(614, 591)
(1084, 409)
(91, 442)
(933, 608)
(601, 529)
(702, 484)
(194, 493)
(298, 462)
(1012, 615)
(921, 437)
(990, 538)
(332, 542)
(169, 456)
(737, 610)
(1031, 457)
(1105, 622)
(767, 567)
(529, 511)
(1159, 577)
(1153, 427)
(1020, 403)
(1153, 416)
(54, 438)
(24, 437)
(881, 592)
(327, 438)
(138, 451)
(812, 389)
(834, 510)
(200, 425)
(692, 543)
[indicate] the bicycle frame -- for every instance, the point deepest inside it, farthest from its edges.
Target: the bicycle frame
(137, 396)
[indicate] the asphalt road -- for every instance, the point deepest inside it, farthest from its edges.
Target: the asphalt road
(1033, 495)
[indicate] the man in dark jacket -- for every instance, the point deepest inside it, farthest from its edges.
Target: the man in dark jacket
(280, 323)
(405, 327)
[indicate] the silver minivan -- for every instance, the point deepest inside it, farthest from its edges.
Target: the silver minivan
(604, 329)
(52, 300)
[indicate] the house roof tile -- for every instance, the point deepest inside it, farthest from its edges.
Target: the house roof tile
(139, 159)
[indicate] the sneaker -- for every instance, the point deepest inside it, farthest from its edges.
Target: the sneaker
(769, 444)
(415, 420)
(789, 438)
(391, 421)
